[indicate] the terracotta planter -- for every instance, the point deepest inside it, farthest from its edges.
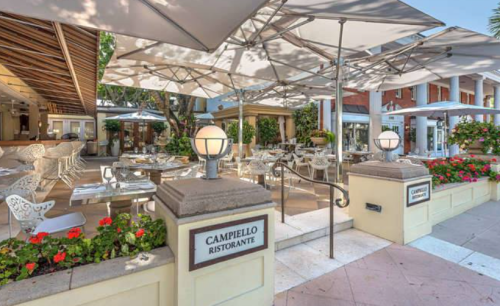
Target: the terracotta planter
(246, 150)
(319, 141)
(476, 148)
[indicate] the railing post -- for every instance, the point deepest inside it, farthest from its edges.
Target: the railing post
(282, 193)
(332, 224)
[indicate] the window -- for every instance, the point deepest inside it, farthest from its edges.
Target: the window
(399, 93)
(57, 128)
(440, 93)
(74, 127)
(413, 91)
(89, 130)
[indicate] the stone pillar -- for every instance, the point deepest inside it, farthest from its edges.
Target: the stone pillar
(320, 116)
(44, 118)
(221, 233)
(375, 119)
(497, 104)
(289, 128)
(327, 115)
(453, 121)
(391, 200)
(422, 99)
(478, 96)
(34, 117)
(252, 120)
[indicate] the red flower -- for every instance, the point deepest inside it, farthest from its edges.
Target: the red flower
(474, 180)
(59, 257)
(105, 221)
(494, 160)
(118, 230)
(38, 238)
(448, 175)
(74, 233)
(139, 233)
(30, 266)
(472, 155)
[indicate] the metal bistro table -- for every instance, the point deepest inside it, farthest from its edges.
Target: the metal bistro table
(155, 170)
(121, 199)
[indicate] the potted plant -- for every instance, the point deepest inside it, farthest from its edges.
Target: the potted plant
(476, 137)
(113, 127)
(248, 135)
(268, 130)
(322, 137)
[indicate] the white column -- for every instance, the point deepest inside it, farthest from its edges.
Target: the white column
(327, 115)
(320, 106)
(454, 97)
(478, 96)
(422, 99)
(375, 119)
(497, 104)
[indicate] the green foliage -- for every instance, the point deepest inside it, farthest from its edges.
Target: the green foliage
(158, 127)
(45, 254)
(494, 22)
(248, 132)
(330, 136)
(180, 146)
(268, 130)
(467, 133)
(306, 120)
(460, 170)
(112, 126)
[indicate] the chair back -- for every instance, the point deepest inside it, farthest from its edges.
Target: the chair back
(320, 162)
(25, 186)
(31, 153)
(257, 167)
(28, 214)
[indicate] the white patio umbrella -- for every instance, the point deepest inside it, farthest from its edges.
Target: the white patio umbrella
(287, 38)
(141, 116)
(201, 25)
(452, 52)
(444, 110)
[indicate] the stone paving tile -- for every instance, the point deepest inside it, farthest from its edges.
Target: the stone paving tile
(397, 276)
(285, 277)
(487, 210)
(486, 243)
(441, 248)
(483, 264)
(455, 236)
(470, 224)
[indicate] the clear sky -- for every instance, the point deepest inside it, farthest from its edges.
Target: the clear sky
(470, 14)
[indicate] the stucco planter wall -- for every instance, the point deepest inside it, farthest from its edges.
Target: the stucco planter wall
(146, 280)
(453, 199)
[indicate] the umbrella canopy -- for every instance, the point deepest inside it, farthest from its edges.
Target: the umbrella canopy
(173, 78)
(140, 117)
(445, 109)
(286, 38)
(201, 25)
(452, 52)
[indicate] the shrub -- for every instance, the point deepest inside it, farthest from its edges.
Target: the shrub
(268, 130)
(466, 133)
(306, 120)
(113, 127)
(180, 146)
(460, 170)
(248, 132)
(158, 127)
(44, 254)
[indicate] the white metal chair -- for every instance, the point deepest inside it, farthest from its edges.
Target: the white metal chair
(32, 218)
(31, 154)
(256, 168)
(181, 174)
(24, 187)
(320, 163)
(300, 163)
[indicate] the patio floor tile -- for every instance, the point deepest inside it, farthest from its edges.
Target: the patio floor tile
(483, 264)
(380, 287)
(301, 299)
(487, 210)
(473, 224)
(334, 285)
(455, 236)
(486, 243)
(285, 277)
(441, 248)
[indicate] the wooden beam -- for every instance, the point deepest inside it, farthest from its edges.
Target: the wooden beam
(67, 56)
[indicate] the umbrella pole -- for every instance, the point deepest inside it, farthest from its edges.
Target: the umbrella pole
(445, 134)
(240, 125)
(338, 178)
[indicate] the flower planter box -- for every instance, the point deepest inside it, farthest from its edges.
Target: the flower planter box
(450, 200)
(146, 280)
(319, 141)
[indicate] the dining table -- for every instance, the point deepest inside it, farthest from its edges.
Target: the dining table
(120, 195)
(154, 169)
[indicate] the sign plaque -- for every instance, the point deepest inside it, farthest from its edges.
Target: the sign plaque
(216, 243)
(418, 193)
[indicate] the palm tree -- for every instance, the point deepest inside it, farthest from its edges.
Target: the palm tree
(494, 24)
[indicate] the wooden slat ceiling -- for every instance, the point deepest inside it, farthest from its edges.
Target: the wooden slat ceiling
(58, 61)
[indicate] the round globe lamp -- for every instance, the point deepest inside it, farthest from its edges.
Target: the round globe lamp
(211, 144)
(388, 141)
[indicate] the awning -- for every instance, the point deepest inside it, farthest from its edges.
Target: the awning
(140, 116)
(450, 109)
(201, 25)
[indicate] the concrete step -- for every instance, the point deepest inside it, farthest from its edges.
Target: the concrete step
(308, 226)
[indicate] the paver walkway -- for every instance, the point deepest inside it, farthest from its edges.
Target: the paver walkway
(397, 276)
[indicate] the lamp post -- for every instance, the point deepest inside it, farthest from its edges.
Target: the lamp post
(211, 143)
(388, 141)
